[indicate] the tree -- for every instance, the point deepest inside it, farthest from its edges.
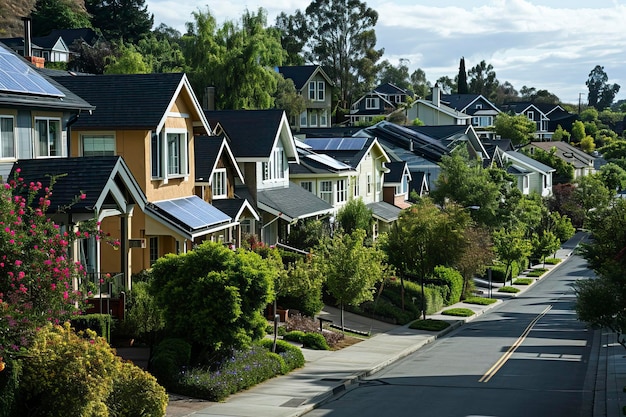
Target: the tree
(161, 51)
(587, 144)
(564, 170)
(561, 135)
(396, 75)
(237, 58)
(447, 84)
(578, 131)
(511, 246)
(590, 194)
(518, 128)
(56, 14)
(355, 215)
(482, 80)
(478, 254)
(462, 87)
(91, 59)
(613, 176)
(126, 20)
(538, 96)
(352, 269)
(293, 36)
(127, 61)
(419, 84)
(544, 244)
(287, 97)
(342, 39)
(214, 297)
(506, 93)
(601, 93)
(614, 150)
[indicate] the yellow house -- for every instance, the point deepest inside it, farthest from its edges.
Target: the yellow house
(152, 121)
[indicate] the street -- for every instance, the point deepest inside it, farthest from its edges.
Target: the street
(527, 357)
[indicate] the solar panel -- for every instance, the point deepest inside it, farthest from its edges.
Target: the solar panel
(328, 161)
(192, 212)
(16, 76)
(336, 144)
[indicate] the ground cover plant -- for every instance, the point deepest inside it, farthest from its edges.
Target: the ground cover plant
(508, 289)
(552, 261)
(523, 281)
(459, 312)
(430, 325)
(537, 272)
(480, 300)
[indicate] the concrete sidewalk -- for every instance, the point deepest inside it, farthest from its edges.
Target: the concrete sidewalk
(328, 373)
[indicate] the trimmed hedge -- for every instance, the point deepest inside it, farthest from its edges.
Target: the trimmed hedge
(449, 282)
(459, 312)
(480, 301)
(523, 281)
(315, 341)
(295, 336)
(292, 355)
(497, 272)
(430, 325)
(507, 289)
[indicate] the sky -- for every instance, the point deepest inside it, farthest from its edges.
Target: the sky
(549, 45)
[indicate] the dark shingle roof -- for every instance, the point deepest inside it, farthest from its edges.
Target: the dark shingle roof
(128, 101)
(293, 202)
(384, 211)
(206, 149)
(391, 89)
(458, 101)
(74, 176)
(231, 206)
(352, 156)
(299, 74)
(70, 35)
(251, 133)
(396, 171)
(418, 143)
(440, 132)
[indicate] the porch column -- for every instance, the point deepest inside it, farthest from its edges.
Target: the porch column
(125, 250)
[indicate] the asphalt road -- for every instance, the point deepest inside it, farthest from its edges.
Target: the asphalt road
(528, 357)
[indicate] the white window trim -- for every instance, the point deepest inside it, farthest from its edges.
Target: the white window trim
(184, 157)
(324, 118)
(328, 193)
(304, 116)
(307, 185)
(62, 151)
(321, 91)
(97, 134)
(14, 156)
(224, 184)
(342, 191)
(371, 103)
(369, 183)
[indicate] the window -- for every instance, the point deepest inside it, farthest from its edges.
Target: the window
(404, 185)
(274, 169)
(369, 183)
(156, 154)
(313, 119)
(525, 182)
(530, 115)
(482, 121)
(317, 90)
(7, 137)
(342, 192)
(379, 184)
(98, 145)
(154, 250)
(544, 125)
(219, 183)
(303, 119)
(479, 106)
(246, 226)
(371, 103)
(326, 191)
(174, 153)
(48, 137)
(356, 189)
(324, 118)
(307, 185)
(174, 145)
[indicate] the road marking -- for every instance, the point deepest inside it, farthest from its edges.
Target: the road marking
(500, 362)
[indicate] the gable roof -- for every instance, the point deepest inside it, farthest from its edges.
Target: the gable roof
(105, 181)
(397, 169)
(316, 163)
(87, 35)
(208, 150)
(391, 89)
(384, 211)
(36, 84)
(253, 134)
(235, 207)
(567, 153)
(528, 162)
(519, 107)
(131, 101)
(442, 108)
(462, 102)
(301, 74)
(292, 203)
(350, 151)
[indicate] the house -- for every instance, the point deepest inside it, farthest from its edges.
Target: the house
(532, 176)
(315, 86)
(583, 163)
(263, 146)
(217, 175)
(547, 117)
(482, 111)
(380, 102)
(435, 112)
(152, 121)
(367, 159)
(396, 185)
(52, 48)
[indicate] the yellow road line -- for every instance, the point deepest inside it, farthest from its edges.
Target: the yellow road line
(500, 362)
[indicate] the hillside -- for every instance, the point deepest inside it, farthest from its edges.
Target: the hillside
(12, 11)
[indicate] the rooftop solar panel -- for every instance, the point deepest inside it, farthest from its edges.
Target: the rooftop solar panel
(336, 144)
(16, 76)
(193, 212)
(329, 162)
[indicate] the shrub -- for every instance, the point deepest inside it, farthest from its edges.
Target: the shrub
(99, 323)
(302, 323)
(507, 289)
(292, 355)
(552, 261)
(136, 393)
(315, 341)
(459, 312)
(144, 317)
(450, 279)
(9, 386)
(523, 281)
(295, 336)
(269, 329)
(168, 359)
(240, 371)
(67, 374)
(430, 325)
(480, 300)
(537, 272)
(497, 271)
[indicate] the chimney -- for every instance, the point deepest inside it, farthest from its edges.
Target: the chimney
(436, 95)
(209, 99)
(28, 38)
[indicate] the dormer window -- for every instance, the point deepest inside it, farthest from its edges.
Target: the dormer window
(274, 169)
(479, 106)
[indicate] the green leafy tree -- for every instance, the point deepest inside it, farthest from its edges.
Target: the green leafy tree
(605, 137)
(561, 135)
(447, 84)
(544, 244)
(303, 285)
(538, 96)
(482, 80)
(397, 75)
(506, 93)
(161, 52)
(601, 93)
(462, 87)
(578, 131)
(355, 215)
(307, 233)
(143, 317)
(293, 36)
(590, 194)
(58, 14)
(564, 171)
(214, 297)
(518, 128)
(127, 61)
(419, 84)
(342, 39)
(614, 151)
(511, 246)
(127, 20)
(287, 98)
(352, 269)
(613, 176)
(478, 254)
(587, 144)
(237, 58)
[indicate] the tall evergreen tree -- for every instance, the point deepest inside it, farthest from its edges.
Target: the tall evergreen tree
(127, 20)
(462, 79)
(58, 14)
(601, 93)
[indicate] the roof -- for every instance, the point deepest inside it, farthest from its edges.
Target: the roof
(104, 180)
(70, 35)
(33, 86)
(191, 216)
(235, 207)
(292, 203)
(416, 142)
(350, 150)
(391, 89)
(384, 211)
(301, 74)
(253, 134)
(316, 163)
(442, 108)
(396, 172)
(208, 150)
(528, 161)
(567, 152)
(461, 102)
(129, 101)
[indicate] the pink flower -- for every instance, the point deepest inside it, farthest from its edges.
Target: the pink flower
(83, 196)
(65, 295)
